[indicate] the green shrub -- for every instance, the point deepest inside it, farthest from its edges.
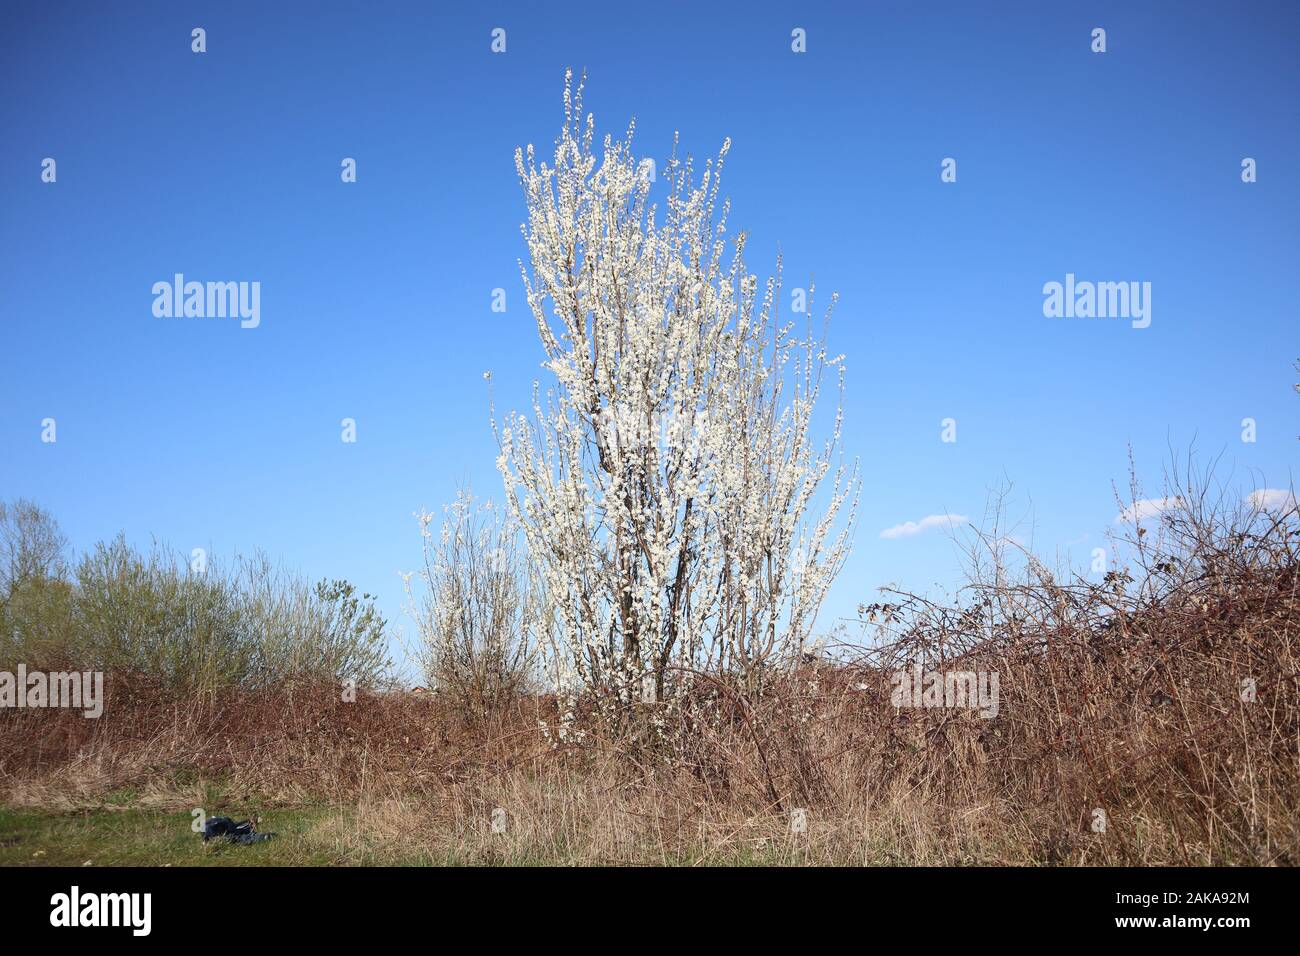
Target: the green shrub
(123, 611)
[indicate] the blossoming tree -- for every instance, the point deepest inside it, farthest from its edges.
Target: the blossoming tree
(668, 482)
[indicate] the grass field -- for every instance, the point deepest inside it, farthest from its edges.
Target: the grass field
(310, 836)
(142, 837)
(121, 836)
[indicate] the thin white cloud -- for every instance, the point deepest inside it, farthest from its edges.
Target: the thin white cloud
(909, 528)
(1271, 499)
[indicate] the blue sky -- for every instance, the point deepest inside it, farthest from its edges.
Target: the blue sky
(376, 295)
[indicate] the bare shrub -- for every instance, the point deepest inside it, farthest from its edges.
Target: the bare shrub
(481, 612)
(32, 548)
(1147, 713)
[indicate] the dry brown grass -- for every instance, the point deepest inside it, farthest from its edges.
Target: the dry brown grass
(1122, 696)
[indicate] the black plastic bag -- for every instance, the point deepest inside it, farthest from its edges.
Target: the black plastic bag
(224, 828)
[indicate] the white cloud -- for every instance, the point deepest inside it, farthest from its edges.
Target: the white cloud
(909, 528)
(1271, 499)
(1146, 508)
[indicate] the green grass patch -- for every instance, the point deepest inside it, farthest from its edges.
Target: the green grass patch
(136, 837)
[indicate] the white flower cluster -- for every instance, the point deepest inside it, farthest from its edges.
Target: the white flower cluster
(664, 482)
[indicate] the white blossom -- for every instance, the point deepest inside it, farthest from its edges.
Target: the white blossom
(666, 480)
